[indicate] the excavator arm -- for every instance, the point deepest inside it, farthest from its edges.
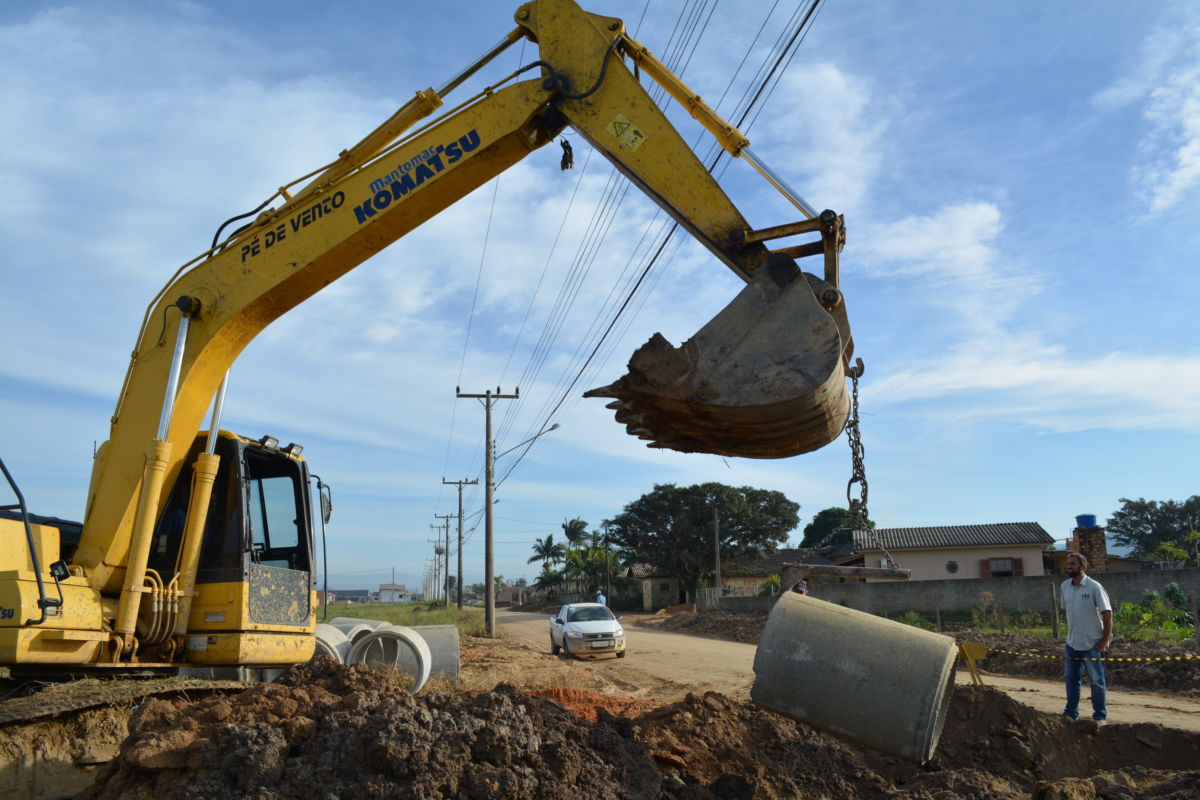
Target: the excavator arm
(765, 378)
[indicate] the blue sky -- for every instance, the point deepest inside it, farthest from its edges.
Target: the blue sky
(1021, 185)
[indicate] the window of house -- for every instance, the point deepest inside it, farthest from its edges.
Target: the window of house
(952, 567)
(1000, 567)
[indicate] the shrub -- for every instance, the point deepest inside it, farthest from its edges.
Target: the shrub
(916, 620)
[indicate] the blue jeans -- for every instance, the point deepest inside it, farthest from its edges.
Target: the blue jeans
(1073, 672)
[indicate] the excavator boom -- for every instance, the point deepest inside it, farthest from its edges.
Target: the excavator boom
(764, 379)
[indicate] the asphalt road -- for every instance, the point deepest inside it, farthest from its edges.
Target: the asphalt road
(666, 666)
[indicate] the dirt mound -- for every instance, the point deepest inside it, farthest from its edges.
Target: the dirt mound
(329, 731)
(589, 704)
(715, 623)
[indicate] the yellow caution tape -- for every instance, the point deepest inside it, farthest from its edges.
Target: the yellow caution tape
(1105, 658)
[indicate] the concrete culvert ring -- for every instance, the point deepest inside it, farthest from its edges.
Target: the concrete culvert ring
(356, 629)
(398, 648)
(332, 642)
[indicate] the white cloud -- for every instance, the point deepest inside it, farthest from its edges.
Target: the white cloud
(1028, 383)
(825, 125)
(1166, 87)
(952, 255)
(998, 369)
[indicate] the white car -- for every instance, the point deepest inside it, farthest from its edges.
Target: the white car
(586, 630)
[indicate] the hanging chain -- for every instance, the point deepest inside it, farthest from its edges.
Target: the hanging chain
(858, 472)
(859, 516)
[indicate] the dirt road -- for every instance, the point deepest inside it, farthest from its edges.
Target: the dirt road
(667, 666)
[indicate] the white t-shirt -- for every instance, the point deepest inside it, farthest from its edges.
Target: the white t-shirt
(1083, 604)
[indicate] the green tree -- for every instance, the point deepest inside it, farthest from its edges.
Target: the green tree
(575, 530)
(829, 522)
(1143, 525)
(547, 551)
(672, 527)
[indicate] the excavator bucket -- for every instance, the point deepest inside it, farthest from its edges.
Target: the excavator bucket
(765, 378)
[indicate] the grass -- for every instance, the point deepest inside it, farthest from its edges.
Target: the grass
(470, 621)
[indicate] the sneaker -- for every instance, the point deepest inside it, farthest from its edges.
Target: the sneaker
(1100, 722)
(1068, 716)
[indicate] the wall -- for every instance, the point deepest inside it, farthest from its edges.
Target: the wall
(1012, 594)
(930, 565)
(654, 598)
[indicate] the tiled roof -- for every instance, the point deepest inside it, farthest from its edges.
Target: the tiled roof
(1000, 533)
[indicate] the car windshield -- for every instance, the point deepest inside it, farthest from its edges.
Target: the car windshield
(588, 614)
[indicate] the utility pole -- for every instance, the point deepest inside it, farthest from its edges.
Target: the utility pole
(438, 552)
(460, 485)
(607, 566)
(490, 487)
(446, 577)
(717, 553)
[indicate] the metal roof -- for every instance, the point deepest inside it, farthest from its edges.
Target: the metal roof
(1001, 533)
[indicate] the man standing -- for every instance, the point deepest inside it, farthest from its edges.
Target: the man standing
(1089, 632)
(601, 599)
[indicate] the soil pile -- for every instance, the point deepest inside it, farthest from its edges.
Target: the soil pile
(716, 623)
(327, 731)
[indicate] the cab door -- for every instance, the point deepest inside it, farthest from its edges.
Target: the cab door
(278, 535)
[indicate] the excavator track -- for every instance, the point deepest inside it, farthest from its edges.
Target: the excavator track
(73, 696)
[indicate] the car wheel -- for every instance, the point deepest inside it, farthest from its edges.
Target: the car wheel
(553, 647)
(621, 654)
(566, 649)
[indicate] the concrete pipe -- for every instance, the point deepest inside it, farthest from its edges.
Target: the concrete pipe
(332, 642)
(444, 648)
(356, 629)
(395, 647)
(869, 679)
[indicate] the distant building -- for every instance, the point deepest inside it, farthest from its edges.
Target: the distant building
(353, 595)
(325, 598)
(393, 593)
(949, 552)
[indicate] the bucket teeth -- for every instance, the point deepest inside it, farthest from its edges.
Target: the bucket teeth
(617, 405)
(603, 391)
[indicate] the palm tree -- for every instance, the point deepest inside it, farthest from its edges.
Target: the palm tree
(575, 530)
(549, 552)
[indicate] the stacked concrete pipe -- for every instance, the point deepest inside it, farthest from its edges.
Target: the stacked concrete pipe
(423, 651)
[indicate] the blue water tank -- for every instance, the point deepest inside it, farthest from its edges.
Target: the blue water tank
(1085, 521)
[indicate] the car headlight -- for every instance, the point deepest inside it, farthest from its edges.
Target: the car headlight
(620, 632)
(574, 635)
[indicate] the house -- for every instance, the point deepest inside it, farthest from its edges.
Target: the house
(742, 578)
(519, 595)
(393, 593)
(353, 595)
(1005, 549)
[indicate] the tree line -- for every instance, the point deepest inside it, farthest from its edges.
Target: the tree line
(671, 530)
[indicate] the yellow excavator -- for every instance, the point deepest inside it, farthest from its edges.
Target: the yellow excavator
(197, 546)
